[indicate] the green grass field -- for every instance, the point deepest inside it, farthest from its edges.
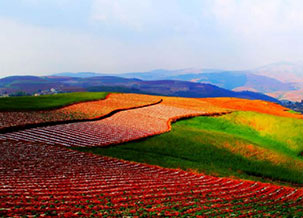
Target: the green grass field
(44, 102)
(242, 144)
(294, 112)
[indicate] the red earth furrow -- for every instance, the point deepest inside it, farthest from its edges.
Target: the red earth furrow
(116, 198)
(121, 127)
(136, 191)
(38, 179)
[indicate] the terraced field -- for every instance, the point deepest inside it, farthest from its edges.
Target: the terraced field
(41, 177)
(81, 111)
(121, 127)
(41, 180)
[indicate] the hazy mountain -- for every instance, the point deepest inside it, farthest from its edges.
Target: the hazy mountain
(283, 71)
(27, 84)
(281, 80)
(233, 80)
(79, 74)
(111, 83)
(259, 80)
(239, 80)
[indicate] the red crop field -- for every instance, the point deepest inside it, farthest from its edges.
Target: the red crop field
(121, 127)
(41, 180)
(79, 111)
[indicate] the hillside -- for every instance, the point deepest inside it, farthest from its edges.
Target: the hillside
(209, 156)
(225, 79)
(52, 181)
(281, 80)
(111, 83)
(254, 80)
(267, 80)
(253, 144)
(283, 71)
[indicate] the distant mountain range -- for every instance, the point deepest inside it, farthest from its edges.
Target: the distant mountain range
(80, 74)
(224, 79)
(32, 84)
(286, 72)
(283, 80)
(283, 71)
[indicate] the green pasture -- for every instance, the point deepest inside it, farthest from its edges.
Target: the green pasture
(45, 102)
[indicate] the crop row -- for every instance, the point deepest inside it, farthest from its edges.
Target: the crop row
(121, 127)
(79, 111)
(38, 179)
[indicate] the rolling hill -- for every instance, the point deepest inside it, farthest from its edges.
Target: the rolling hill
(282, 80)
(111, 83)
(224, 157)
(283, 71)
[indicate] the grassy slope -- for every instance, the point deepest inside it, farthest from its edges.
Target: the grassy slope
(45, 102)
(279, 133)
(219, 146)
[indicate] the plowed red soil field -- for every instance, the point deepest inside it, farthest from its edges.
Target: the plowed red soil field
(121, 127)
(42, 180)
(79, 111)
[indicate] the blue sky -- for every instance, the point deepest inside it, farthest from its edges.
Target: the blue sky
(113, 36)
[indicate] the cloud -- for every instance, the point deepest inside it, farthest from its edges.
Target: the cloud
(121, 35)
(127, 13)
(144, 15)
(259, 16)
(27, 49)
(38, 50)
(268, 30)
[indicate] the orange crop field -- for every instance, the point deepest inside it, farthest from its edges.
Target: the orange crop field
(193, 104)
(252, 105)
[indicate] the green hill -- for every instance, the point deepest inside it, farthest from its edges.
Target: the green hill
(247, 145)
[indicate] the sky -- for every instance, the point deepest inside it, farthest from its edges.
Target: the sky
(41, 37)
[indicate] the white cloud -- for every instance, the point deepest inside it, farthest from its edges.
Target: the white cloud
(266, 30)
(125, 12)
(141, 35)
(27, 49)
(259, 16)
(37, 50)
(143, 15)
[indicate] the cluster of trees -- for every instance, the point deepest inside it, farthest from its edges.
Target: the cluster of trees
(296, 106)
